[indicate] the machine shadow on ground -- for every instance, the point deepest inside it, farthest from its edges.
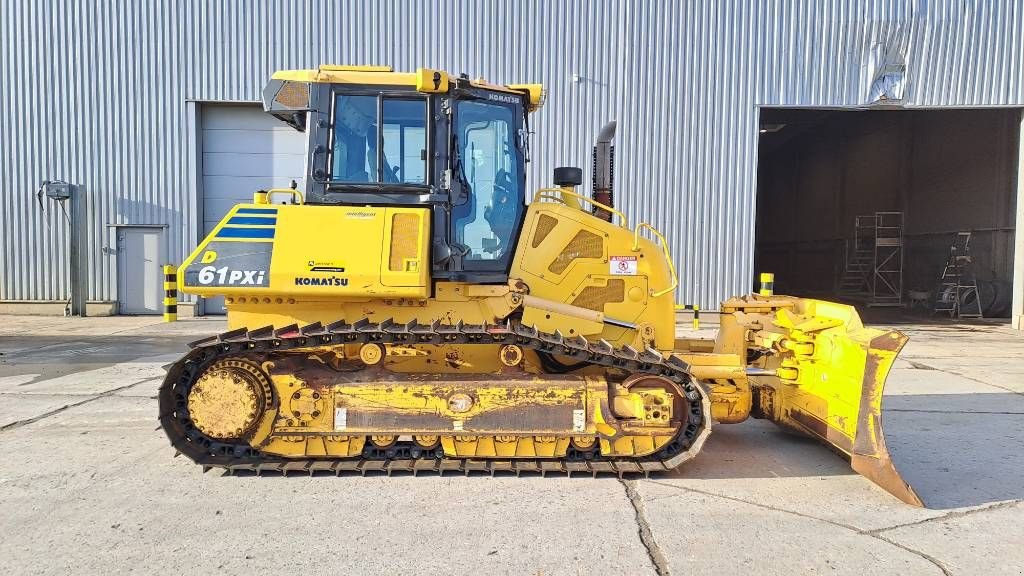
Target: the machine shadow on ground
(958, 449)
(47, 357)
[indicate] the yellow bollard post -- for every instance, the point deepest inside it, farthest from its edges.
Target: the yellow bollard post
(170, 293)
(696, 313)
(767, 284)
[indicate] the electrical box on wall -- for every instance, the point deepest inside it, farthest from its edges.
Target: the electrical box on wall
(57, 190)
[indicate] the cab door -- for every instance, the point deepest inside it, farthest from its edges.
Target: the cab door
(488, 163)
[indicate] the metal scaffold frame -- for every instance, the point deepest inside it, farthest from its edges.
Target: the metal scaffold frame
(873, 268)
(887, 269)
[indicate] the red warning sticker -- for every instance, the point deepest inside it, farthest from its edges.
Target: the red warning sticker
(622, 265)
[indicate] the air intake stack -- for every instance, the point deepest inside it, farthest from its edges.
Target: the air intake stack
(604, 170)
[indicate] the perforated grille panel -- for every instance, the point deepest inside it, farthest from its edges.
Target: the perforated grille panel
(405, 231)
(293, 95)
(583, 245)
(595, 297)
(545, 224)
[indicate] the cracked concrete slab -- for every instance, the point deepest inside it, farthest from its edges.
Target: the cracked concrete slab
(98, 380)
(1005, 377)
(705, 534)
(982, 542)
(654, 552)
(912, 382)
(94, 488)
(116, 500)
(759, 462)
(145, 389)
(15, 408)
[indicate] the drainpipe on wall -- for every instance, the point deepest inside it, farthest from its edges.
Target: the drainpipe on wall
(79, 254)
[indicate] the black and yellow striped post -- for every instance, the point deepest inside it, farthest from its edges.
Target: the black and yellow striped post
(696, 313)
(767, 284)
(170, 293)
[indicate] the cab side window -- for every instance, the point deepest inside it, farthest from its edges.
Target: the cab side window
(354, 149)
(379, 140)
(405, 141)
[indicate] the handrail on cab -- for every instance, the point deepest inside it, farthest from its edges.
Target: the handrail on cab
(263, 196)
(664, 247)
(558, 194)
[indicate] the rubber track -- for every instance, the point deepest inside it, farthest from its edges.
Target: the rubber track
(209, 453)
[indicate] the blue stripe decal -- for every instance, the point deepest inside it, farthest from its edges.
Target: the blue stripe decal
(257, 211)
(253, 220)
(246, 233)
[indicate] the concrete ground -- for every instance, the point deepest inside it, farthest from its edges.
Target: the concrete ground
(88, 484)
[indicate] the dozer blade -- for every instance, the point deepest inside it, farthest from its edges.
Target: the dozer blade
(870, 457)
(823, 375)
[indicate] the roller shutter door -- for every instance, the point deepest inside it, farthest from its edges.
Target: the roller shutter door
(244, 149)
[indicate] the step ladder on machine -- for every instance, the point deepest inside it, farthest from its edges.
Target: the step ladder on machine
(958, 288)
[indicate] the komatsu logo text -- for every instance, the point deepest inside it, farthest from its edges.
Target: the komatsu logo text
(224, 276)
(329, 281)
(510, 99)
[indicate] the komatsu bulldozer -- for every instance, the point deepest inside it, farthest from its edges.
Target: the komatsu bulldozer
(411, 308)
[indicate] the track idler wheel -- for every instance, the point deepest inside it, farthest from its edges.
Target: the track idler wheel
(228, 399)
(659, 399)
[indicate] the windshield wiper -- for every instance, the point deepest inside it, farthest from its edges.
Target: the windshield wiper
(459, 174)
(523, 142)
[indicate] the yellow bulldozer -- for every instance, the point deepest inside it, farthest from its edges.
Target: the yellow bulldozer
(409, 310)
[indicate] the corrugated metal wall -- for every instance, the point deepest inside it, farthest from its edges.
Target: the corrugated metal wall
(96, 94)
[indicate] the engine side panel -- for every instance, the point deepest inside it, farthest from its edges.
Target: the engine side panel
(567, 255)
(313, 251)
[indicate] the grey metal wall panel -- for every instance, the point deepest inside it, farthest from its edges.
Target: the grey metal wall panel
(97, 96)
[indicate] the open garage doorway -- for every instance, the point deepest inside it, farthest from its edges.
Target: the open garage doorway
(902, 210)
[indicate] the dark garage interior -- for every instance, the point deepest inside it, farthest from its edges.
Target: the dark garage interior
(873, 207)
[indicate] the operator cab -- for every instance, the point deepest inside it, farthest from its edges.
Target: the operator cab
(458, 146)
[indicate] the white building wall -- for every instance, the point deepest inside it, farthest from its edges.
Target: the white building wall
(97, 94)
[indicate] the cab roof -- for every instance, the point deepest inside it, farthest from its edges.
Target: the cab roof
(423, 79)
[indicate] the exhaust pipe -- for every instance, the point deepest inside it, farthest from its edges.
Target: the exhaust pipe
(604, 171)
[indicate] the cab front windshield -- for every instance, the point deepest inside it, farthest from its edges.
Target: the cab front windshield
(485, 137)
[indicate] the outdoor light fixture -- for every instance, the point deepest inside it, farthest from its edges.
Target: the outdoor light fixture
(766, 128)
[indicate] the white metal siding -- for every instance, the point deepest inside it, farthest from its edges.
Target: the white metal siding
(107, 110)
